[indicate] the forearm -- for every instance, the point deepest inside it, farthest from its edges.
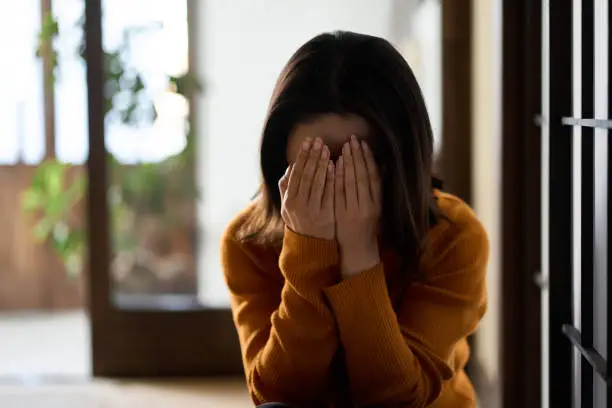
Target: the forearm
(293, 365)
(383, 369)
(355, 261)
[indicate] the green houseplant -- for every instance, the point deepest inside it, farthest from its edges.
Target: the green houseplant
(56, 191)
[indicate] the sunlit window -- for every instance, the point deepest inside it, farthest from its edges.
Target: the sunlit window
(151, 36)
(21, 90)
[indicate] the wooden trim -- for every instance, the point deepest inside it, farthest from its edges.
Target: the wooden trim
(520, 327)
(48, 87)
(97, 209)
(455, 160)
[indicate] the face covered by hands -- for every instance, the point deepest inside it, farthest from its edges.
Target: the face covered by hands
(324, 201)
(357, 207)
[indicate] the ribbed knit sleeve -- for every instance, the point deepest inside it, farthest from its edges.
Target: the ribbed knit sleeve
(287, 333)
(403, 361)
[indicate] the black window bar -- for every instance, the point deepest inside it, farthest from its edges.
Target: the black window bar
(596, 245)
(557, 186)
(582, 338)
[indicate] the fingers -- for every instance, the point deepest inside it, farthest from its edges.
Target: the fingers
(373, 176)
(298, 168)
(339, 194)
(327, 204)
(361, 173)
(284, 182)
(350, 187)
(318, 182)
(310, 168)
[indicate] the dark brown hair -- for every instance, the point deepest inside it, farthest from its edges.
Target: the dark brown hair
(349, 73)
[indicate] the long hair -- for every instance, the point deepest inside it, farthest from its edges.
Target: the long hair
(348, 73)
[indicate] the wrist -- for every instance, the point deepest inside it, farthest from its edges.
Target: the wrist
(353, 262)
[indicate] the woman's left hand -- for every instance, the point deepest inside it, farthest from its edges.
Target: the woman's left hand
(357, 208)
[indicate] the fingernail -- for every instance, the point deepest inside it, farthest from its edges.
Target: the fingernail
(346, 149)
(330, 167)
(317, 144)
(354, 141)
(364, 145)
(306, 143)
(325, 152)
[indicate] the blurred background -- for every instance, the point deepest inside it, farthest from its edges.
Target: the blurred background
(129, 139)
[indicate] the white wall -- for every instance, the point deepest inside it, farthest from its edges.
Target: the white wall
(420, 41)
(486, 170)
(243, 45)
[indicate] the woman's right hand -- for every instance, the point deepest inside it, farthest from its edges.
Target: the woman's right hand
(307, 192)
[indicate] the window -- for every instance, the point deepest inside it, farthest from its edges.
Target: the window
(576, 131)
(153, 38)
(21, 89)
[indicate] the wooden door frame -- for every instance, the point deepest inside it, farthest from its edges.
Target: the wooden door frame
(141, 341)
(454, 163)
(455, 159)
(521, 96)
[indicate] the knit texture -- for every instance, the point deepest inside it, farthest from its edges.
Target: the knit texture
(311, 339)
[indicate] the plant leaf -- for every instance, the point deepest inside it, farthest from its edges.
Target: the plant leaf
(49, 28)
(32, 200)
(186, 84)
(43, 229)
(54, 179)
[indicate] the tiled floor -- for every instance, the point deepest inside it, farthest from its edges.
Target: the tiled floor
(106, 394)
(44, 344)
(45, 363)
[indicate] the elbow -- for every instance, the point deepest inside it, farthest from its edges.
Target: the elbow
(264, 389)
(410, 392)
(428, 389)
(284, 389)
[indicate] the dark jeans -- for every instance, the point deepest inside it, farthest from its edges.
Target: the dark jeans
(282, 405)
(274, 405)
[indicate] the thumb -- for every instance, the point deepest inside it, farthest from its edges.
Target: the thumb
(283, 183)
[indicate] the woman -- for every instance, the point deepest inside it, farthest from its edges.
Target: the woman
(354, 281)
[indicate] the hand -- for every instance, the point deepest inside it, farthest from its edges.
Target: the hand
(307, 192)
(357, 208)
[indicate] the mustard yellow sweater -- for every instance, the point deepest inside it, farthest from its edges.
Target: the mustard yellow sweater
(310, 339)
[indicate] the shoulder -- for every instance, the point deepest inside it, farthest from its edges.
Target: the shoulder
(457, 211)
(233, 241)
(234, 228)
(459, 236)
(238, 253)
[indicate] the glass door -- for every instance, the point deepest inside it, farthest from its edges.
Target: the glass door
(149, 317)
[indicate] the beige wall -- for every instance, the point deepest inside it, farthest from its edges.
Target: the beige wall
(486, 167)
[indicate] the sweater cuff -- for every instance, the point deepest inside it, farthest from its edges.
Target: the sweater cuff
(307, 259)
(306, 248)
(355, 298)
